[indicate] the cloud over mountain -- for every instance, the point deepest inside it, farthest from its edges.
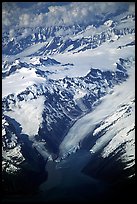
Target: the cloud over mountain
(46, 14)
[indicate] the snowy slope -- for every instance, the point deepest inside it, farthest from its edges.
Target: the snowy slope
(109, 113)
(11, 149)
(19, 81)
(29, 115)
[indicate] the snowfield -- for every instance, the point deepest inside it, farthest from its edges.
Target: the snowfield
(103, 57)
(29, 115)
(19, 81)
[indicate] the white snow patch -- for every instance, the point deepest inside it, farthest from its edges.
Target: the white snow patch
(120, 137)
(13, 153)
(79, 94)
(108, 23)
(35, 60)
(29, 115)
(19, 81)
(117, 134)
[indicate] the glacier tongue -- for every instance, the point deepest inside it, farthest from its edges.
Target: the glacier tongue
(108, 113)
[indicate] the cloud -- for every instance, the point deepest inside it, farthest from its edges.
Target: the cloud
(10, 15)
(24, 20)
(47, 14)
(83, 12)
(132, 7)
(11, 33)
(5, 18)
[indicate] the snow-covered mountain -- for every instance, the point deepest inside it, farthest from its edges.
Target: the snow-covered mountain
(67, 89)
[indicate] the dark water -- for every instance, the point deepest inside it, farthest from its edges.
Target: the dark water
(67, 182)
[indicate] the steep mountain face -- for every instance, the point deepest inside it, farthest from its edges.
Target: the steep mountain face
(68, 91)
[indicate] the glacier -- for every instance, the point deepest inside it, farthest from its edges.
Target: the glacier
(68, 109)
(109, 106)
